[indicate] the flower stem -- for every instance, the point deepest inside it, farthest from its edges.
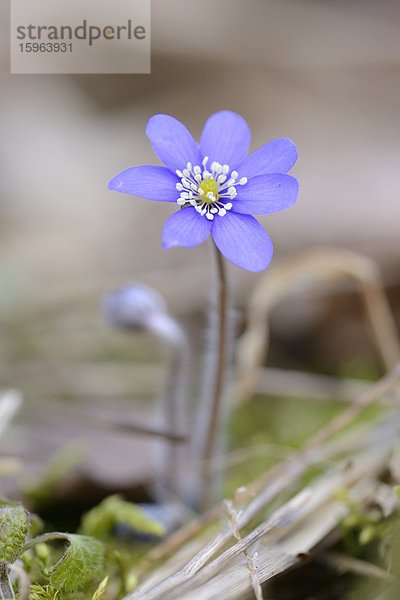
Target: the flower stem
(174, 409)
(218, 384)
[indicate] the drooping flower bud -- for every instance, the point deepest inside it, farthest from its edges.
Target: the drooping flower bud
(133, 306)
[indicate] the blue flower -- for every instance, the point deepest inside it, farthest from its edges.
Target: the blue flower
(217, 184)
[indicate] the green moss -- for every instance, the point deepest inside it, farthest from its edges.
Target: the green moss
(270, 428)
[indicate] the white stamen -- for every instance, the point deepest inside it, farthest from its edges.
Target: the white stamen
(211, 203)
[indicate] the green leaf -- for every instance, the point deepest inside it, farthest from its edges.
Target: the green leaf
(14, 528)
(80, 564)
(99, 593)
(102, 520)
(39, 592)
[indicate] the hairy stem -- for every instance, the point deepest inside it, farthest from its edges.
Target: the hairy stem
(6, 590)
(172, 409)
(176, 391)
(44, 538)
(218, 385)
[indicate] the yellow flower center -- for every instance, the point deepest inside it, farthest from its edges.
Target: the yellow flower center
(209, 185)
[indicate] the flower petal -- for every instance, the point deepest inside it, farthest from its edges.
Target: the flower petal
(225, 138)
(243, 241)
(185, 228)
(277, 156)
(172, 143)
(152, 183)
(266, 194)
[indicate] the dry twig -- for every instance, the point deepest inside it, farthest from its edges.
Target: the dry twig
(316, 267)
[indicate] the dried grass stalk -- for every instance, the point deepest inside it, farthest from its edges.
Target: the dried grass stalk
(220, 568)
(314, 269)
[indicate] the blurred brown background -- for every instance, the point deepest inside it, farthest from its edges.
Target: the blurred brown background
(325, 73)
